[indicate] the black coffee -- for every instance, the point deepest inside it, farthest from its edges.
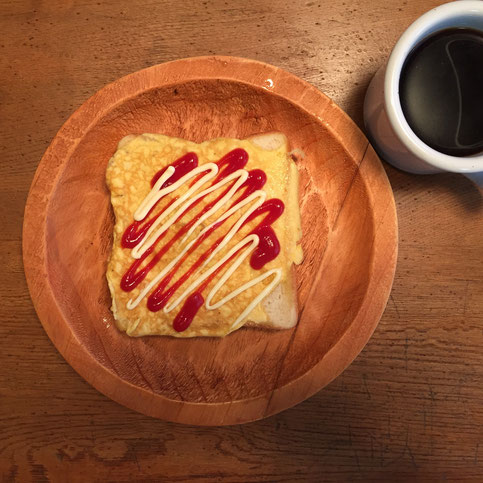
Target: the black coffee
(441, 91)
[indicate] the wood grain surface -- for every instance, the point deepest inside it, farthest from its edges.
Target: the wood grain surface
(410, 408)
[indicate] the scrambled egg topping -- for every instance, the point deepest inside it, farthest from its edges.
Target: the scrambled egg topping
(128, 177)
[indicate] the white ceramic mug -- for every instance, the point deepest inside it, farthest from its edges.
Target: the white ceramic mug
(385, 123)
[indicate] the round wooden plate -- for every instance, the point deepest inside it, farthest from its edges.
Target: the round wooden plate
(349, 241)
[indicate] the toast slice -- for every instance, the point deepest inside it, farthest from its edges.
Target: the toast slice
(268, 298)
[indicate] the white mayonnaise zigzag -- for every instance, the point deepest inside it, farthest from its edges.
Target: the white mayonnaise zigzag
(245, 246)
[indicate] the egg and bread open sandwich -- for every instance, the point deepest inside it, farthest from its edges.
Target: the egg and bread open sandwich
(205, 235)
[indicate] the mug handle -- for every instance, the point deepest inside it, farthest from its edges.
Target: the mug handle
(477, 178)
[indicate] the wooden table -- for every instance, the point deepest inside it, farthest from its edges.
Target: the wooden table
(410, 408)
